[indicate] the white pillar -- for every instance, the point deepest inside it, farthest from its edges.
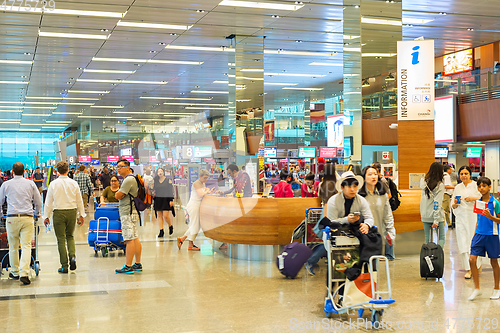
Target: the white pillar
(492, 163)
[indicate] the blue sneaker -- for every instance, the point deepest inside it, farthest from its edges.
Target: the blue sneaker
(309, 269)
(125, 270)
(137, 267)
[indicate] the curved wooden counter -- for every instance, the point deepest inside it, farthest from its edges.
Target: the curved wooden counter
(253, 221)
(407, 216)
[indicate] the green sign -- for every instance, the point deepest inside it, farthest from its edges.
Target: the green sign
(473, 152)
(307, 152)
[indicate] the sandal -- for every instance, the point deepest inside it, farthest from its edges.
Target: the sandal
(179, 242)
(467, 275)
(194, 248)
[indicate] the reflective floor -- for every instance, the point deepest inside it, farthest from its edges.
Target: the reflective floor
(181, 291)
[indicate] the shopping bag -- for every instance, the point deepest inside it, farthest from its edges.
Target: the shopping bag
(359, 290)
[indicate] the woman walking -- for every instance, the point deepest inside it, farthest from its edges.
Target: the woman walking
(374, 192)
(164, 201)
(431, 202)
(198, 191)
(463, 199)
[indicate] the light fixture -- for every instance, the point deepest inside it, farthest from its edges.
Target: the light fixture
(14, 82)
(262, 5)
(64, 12)
(409, 20)
(121, 81)
(279, 84)
(252, 70)
(107, 106)
(275, 16)
(304, 53)
(18, 62)
(370, 20)
(470, 29)
(326, 64)
(105, 117)
(203, 108)
(190, 104)
(308, 89)
(200, 10)
(443, 13)
(154, 61)
(390, 77)
(88, 91)
(177, 98)
(200, 48)
(365, 83)
(297, 75)
(175, 62)
(209, 92)
(153, 25)
(223, 82)
(69, 35)
(70, 113)
(385, 55)
(107, 71)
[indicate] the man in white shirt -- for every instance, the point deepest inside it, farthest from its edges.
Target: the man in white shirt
(65, 201)
(448, 192)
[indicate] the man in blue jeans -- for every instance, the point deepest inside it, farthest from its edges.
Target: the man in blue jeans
(341, 208)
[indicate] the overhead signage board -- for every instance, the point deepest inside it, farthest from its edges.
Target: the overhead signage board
(128, 158)
(84, 159)
(112, 159)
(307, 152)
(458, 62)
(473, 152)
(328, 152)
(203, 151)
(270, 152)
(416, 80)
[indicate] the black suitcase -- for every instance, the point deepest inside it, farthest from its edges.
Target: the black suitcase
(293, 257)
(431, 260)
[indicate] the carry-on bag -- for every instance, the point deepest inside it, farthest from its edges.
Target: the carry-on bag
(431, 259)
(111, 212)
(293, 257)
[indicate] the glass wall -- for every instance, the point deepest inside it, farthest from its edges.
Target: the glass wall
(22, 147)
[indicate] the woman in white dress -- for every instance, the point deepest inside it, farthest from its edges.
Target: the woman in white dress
(466, 219)
(198, 191)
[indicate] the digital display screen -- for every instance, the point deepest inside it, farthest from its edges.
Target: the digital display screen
(328, 152)
(203, 151)
(270, 152)
(307, 152)
(444, 119)
(84, 159)
(457, 62)
(126, 152)
(335, 131)
(96, 162)
(441, 152)
(128, 158)
(473, 152)
(112, 159)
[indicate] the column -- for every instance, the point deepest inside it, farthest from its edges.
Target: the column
(492, 163)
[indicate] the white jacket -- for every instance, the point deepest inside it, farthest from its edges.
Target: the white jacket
(429, 213)
(382, 213)
(335, 209)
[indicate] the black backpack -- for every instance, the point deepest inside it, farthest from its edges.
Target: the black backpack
(394, 200)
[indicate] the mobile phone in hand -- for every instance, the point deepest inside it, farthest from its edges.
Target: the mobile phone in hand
(357, 214)
(389, 240)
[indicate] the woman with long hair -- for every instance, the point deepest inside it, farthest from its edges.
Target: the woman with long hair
(164, 200)
(431, 202)
(198, 191)
(374, 192)
(464, 196)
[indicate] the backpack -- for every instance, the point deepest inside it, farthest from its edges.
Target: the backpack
(143, 199)
(394, 200)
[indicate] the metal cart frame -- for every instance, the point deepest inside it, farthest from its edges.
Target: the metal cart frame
(377, 304)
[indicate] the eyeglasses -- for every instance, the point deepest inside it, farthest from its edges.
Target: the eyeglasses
(115, 181)
(120, 166)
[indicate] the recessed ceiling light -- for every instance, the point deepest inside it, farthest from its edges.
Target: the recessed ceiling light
(200, 10)
(14, 82)
(107, 106)
(298, 41)
(177, 98)
(172, 34)
(104, 30)
(24, 76)
(88, 91)
(470, 29)
(275, 16)
(161, 43)
(357, 6)
(27, 53)
(69, 35)
(107, 71)
(262, 5)
(152, 51)
(442, 13)
(209, 92)
(305, 53)
(200, 48)
(121, 81)
(153, 25)
(19, 62)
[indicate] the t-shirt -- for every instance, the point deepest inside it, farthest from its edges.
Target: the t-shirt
(485, 226)
(283, 190)
(164, 189)
(347, 205)
(129, 186)
(447, 182)
(38, 179)
(105, 179)
(109, 194)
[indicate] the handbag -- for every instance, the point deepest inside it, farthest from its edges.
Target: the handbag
(359, 290)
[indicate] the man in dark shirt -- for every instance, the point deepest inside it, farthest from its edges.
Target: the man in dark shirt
(105, 178)
(242, 183)
(38, 179)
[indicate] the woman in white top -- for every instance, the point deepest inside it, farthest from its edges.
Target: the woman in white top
(198, 191)
(466, 219)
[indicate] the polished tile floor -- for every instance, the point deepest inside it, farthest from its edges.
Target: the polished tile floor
(181, 291)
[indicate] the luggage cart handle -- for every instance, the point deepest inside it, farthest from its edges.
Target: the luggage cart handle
(308, 209)
(326, 231)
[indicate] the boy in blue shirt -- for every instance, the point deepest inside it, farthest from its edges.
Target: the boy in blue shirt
(486, 238)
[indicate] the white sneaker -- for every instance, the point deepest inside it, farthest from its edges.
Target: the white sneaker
(496, 294)
(475, 293)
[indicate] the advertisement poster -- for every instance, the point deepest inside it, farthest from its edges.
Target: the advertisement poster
(193, 172)
(416, 80)
(328, 152)
(335, 131)
(457, 62)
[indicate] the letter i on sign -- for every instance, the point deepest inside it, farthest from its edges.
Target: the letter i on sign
(414, 59)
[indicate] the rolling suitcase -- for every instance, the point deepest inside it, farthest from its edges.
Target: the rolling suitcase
(293, 257)
(111, 212)
(99, 229)
(431, 259)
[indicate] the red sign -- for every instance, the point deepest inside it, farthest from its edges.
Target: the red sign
(112, 159)
(169, 160)
(328, 152)
(224, 140)
(84, 159)
(209, 160)
(128, 158)
(176, 162)
(385, 155)
(153, 159)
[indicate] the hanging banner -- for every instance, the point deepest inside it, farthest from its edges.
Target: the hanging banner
(416, 80)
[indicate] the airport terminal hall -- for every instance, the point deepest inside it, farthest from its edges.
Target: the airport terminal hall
(249, 166)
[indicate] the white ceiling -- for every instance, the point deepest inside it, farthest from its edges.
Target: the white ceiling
(316, 27)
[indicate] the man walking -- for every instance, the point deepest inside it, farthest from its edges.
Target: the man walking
(85, 184)
(21, 194)
(129, 217)
(105, 178)
(448, 193)
(38, 179)
(65, 201)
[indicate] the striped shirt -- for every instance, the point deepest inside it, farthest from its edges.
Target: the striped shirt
(84, 183)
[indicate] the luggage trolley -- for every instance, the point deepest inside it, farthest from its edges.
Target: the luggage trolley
(4, 248)
(333, 299)
(313, 215)
(106, 235)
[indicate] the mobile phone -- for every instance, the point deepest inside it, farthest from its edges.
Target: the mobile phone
(356, 213)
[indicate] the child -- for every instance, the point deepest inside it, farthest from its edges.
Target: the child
(486, 238)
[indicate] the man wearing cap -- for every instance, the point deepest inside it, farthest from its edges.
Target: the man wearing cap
(341, 208)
